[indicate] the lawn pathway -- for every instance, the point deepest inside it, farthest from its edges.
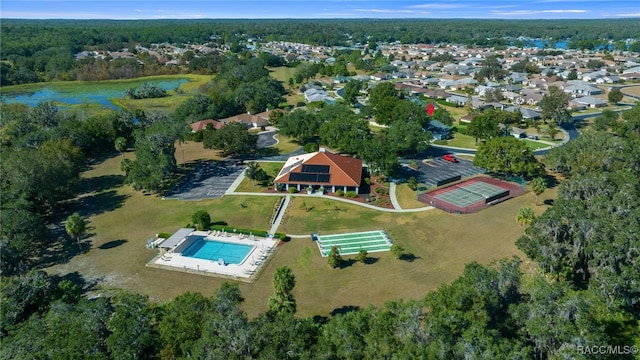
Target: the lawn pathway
(392, 195)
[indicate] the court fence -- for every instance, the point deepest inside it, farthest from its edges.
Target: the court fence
(511, 190)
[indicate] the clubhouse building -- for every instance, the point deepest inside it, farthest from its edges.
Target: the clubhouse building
(321, 169)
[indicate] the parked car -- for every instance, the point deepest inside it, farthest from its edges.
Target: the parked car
(450, 158)
(533, 137)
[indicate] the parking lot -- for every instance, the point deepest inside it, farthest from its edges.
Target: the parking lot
(209, 180)
(437, 169)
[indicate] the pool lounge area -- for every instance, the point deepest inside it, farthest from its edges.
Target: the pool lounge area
(214, 253)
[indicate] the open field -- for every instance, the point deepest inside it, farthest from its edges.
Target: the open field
(407, 197)
(439, 244)
(631, 90)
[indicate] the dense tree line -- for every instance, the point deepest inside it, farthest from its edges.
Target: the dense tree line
(42, 50)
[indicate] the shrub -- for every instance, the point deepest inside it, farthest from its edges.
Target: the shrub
(292, 190)
(412, 183)
(335, 259)
(397, 250)
(164, 235)
(310, 147)
(351, 194)
(367, 181)
(362, 256)
(339, 192)
(201, 219)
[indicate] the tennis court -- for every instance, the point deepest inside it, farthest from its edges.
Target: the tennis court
(471, 195)
(352, 243)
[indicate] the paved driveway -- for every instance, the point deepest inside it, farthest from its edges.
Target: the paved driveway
(439, 169)
(209, 180)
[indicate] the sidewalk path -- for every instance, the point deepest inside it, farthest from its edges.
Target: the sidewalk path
(372, 207)
(392, 195)
(234, 185)
(276, 223)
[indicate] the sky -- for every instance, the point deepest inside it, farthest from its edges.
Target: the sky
(320, 9)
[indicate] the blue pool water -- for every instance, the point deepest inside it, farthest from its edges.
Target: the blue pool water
(214, 250)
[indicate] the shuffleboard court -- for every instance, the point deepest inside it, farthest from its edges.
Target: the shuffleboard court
(352, 243)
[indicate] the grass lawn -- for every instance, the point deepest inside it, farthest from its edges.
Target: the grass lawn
(282, 73)
(120, 220)
(271, 168)
(534, 144)
(407, 197)
(286, 144)
(463, 141)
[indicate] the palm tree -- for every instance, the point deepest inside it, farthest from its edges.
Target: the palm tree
(282, 300)
(75, 226)
(525, 216)
(539, 186)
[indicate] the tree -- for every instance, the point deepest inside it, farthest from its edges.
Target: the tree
(334, 258)
(362, 256)
(201, 219)
(484, 126)
(121, 146)
(554, 105)
(282, 300)
(75, 226)
(615, 96)
(255, 172)
(232, 139)
(352, 91)
(493, 95)
(155, 155)
(508, 155)
(131, 326)
(397, 251)
(573, 75)
(181, 324)
(492, 69)
(525, 216)
(407, 137)
(384, 90)
(539, 185)
(125, 166)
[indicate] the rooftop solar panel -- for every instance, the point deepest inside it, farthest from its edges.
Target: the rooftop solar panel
(322, 169)
(309, 178)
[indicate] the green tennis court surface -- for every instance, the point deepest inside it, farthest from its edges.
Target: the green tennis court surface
(352, 243)
(469, 193)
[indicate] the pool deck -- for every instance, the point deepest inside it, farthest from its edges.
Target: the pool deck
(246, 271)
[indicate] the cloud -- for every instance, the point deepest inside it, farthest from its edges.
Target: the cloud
(438, 6)
(533, 12)
(389, 11)
(629, 15)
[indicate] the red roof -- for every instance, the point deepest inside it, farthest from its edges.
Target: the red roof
(343, 170)
(202, 124)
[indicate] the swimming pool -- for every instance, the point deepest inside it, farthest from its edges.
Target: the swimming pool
(213, 250)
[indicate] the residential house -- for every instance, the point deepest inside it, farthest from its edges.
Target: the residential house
(518, 133)
(249, 120)
(584, 89)
(439, 131)
(609, 79)
(202, 124)
(591, 102)
(458, 100)
(321, 169)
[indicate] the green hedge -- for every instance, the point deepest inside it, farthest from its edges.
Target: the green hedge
(236, 230)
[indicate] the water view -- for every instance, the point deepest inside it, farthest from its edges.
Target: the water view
(76, 95)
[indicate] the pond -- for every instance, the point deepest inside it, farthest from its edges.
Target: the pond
(69, 94)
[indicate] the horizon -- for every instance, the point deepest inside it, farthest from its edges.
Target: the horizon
(326, 10)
